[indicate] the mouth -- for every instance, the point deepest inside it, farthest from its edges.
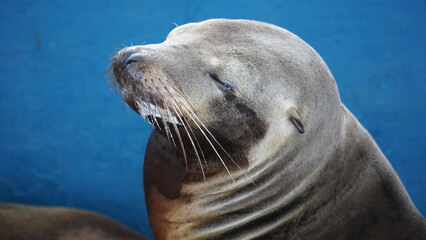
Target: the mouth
(157, 115)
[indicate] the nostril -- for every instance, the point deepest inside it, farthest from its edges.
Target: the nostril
(134, 58)
(130, 61)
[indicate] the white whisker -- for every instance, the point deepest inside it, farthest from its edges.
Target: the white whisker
(190, 138)
(223, 149)
(179, 137)
(207, 130)
(167, 129)
(192, 132)
(211, 144)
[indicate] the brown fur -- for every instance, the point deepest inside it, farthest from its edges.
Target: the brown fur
(20, 222)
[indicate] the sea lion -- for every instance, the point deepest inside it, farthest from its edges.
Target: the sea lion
(251, 141)
(21, 222)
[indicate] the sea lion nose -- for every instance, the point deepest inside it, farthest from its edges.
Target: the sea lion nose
(133, 58)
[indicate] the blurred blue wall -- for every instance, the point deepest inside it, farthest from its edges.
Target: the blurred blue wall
(67, 139)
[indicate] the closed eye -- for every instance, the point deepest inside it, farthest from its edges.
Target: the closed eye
(220, 84)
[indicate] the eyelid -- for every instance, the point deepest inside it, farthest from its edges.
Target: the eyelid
(222, 85)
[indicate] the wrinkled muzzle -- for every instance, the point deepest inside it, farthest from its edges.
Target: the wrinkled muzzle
(144, 89)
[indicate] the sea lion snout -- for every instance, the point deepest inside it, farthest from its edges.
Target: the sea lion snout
(126, 67)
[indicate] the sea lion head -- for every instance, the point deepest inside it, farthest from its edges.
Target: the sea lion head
(235, 91)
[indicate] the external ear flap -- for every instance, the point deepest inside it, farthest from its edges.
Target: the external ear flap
(295, 119)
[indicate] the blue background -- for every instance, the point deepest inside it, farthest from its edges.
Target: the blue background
(67, 139)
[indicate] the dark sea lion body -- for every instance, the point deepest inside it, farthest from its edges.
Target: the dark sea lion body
(251, 141)
(21, 222)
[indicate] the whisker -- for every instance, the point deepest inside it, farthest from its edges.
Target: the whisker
(192, 132)
(190, 138)
(166, 126)
(157, 109)
(167, 129)
(220, 145)
(153, 109)
(181, 95)
(211, 144)
(178, 134)
(171, 134)
(196, 141)
(147, 108)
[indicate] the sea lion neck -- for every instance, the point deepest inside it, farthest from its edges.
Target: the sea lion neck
(167, 167)
(226, 208)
